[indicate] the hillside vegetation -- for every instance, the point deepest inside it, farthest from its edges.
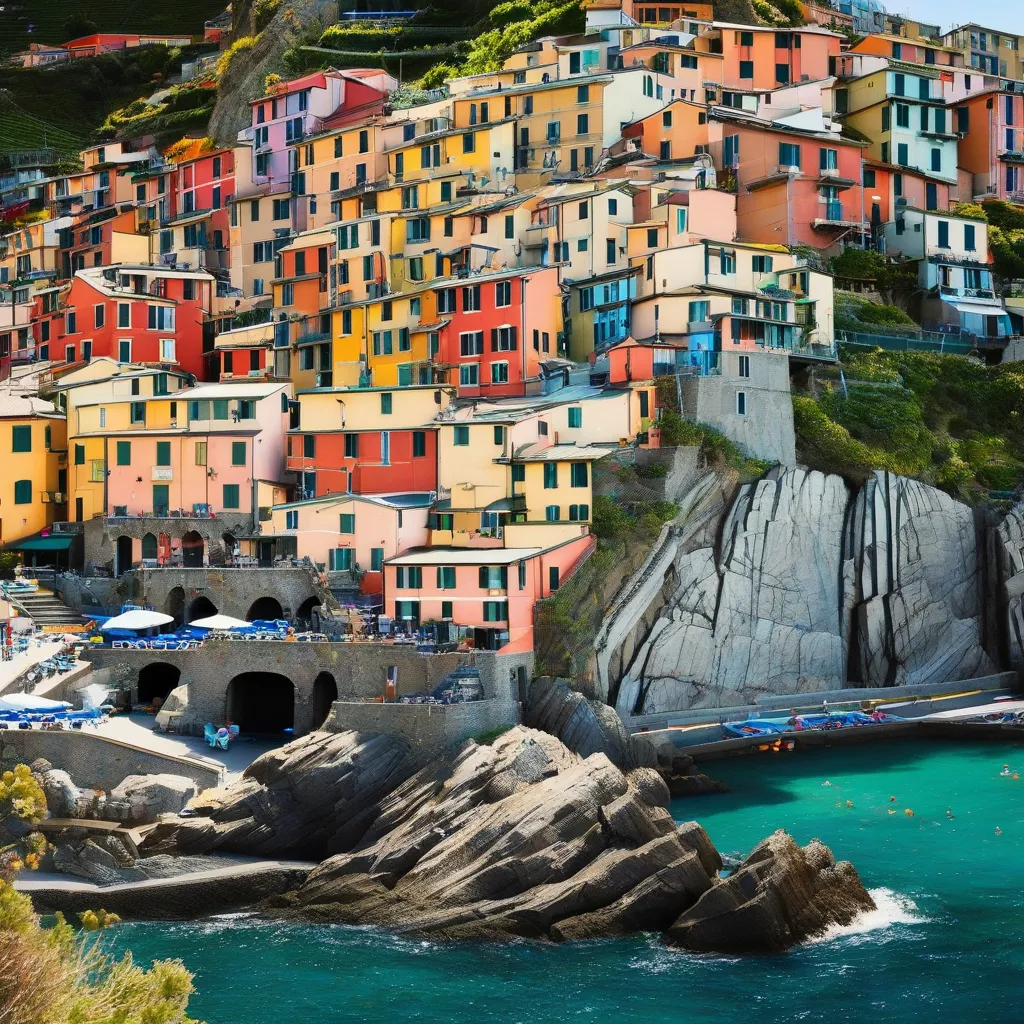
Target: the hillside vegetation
(951, 421)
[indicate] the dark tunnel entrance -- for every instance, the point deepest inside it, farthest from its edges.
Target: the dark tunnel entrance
(157, 680)
(261, 703)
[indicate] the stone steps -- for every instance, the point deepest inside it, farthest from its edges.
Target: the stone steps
(46, 609)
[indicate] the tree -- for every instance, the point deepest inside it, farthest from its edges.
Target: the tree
(77, 25)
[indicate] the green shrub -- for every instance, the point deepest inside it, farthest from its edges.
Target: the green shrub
(262, 13)
(243, 44)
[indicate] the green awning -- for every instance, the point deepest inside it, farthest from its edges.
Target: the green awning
(58, 543)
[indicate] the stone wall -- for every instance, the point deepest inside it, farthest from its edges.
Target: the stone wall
(427, 727)
(230, 591)
(765, 430)
(100, 534)
(96, 762)
(358, 670)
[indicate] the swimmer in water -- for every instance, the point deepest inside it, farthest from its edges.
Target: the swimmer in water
(849, 803)
(826, 783)
(999, 831)
(892, 799)
(949, 813)
(1015, 775)
(892, 810)
(909, 813)
(1006, 770)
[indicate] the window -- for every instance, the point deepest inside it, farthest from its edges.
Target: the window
(869, 178)
(471, 299)
(347, 523)
(161, 318)
(741, 403)
(936, 159)
(579, 513)
(167, 350)
(230, 499)
(410, 578)
(552, 514)
(70, 322)
(469, 377)
(613, 207)
(97, 471)
(238, 452)
(446, 577)
(550, 475)
(79, 454)
(789, 155)
(385, 403)
(281, 209)
(291, 519)
(419, 444)
(969, 244)
(583, 94)
(902, 115)
(137, 412)
(201, 453)
(471, 343)
(22, 492)
(495, 611)
(744, 366)
(762, 264)
(339, 559)
(610, 250)
(124, 453)
(902, 156)
(163, 453)
(578, 474)
(828, 159)
(21, 439)
(746, 69)
(782, 74)
(943, 231)
(699, 312)
(469, 143)
(582, 124)
(499, 373)
(99, 315)
(576, 416)
(652, 238)
(503, 293)
(461, 437)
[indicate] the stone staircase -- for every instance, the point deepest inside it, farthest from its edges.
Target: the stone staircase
(46, 609)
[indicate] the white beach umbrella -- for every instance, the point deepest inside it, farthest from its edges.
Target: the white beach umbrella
(220, 622)
(138, 618)
(26, 702)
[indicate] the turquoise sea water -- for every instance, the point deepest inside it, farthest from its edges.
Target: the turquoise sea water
(945, 945)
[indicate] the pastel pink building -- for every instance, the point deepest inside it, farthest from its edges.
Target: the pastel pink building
(489, 591)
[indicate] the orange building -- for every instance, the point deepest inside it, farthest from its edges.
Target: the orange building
(677, 131)
(990, 150)
(762, 58)
(911, 51)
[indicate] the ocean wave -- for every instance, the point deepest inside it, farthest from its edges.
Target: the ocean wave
(891, 908)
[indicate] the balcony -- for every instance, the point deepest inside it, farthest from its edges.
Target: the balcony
(832, 176)
(833, 216)
(1011, 156)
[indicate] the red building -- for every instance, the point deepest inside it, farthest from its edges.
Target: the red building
(493, 343)
(364, 461)
(136, 314)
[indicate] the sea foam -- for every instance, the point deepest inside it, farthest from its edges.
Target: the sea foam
(891, 908)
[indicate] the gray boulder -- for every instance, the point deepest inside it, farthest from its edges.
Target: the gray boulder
(780, 895)
(141, 799)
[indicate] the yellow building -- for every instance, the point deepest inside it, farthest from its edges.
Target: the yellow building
(33, 492)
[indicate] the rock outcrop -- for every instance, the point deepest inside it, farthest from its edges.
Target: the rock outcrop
(808, 591)
(522, 837)
(588, 727)
(313, 797)
(780, 895)
(1009, 563)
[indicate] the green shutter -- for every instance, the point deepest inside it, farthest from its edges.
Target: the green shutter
(124, 453)
(161, 499)
(484, 577)
(348, 523)
(220, 409)
(419, 443)
(376, 559)
(163, 453)
(237, 453)
(22, 492)
(21, 439)
(231, 496)
(79, 454)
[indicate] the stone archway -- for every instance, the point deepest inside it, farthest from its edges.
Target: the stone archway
(175, 605)
(200, 608)
(156, 680)
(325, 693)
(193, 549)
(265, 608)
(261, 703)
(307, 615)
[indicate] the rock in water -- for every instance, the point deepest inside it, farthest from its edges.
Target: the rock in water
(780, 895)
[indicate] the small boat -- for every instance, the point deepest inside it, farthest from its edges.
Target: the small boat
(805, 723)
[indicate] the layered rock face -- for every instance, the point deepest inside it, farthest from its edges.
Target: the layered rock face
(1009, 557)
(519, 838)
(808, 591)
(310, 798)
(780, 894)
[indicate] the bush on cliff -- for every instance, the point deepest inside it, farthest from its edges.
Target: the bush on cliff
(950, 421)
(51, 975)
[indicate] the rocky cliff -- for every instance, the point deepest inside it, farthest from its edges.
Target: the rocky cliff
(522, 837)
(810, 588)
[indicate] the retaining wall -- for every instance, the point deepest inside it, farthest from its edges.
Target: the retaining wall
(98, 762)
(427, 727)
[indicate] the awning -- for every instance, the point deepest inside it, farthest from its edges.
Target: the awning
(977, 307)
(61, 543)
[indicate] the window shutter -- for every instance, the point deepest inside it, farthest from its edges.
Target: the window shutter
(483, 577)
(513, 338)
(440, 577)
(494, 339)
(504, 577)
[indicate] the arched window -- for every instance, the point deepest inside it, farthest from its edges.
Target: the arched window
(149, 546)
